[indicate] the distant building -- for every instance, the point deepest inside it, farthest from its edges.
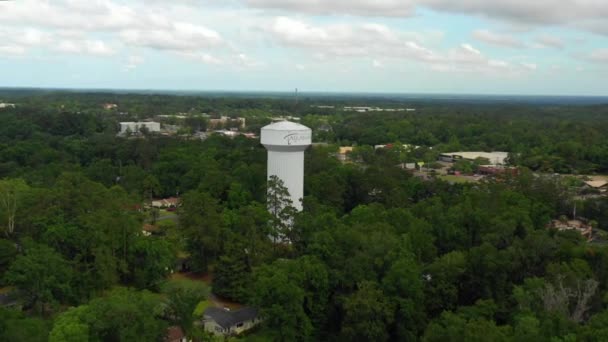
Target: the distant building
(135, 127)
(495, 158)
(226, 122)
(583, 228)
(325, 128)
(497, 170)
(175, 334)
(228, 133)
(200, 135)
(600, 185)
(343, 153)
(171, 202)
(109, 106)
(407, 166)
(170, 116)
(363, 109)
(250, 135)
(405, 146)
(7, 105)
(229, 323)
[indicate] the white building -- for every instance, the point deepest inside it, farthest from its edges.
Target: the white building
(7, 105)
(135, 127)
(495, 158)
(286, 142)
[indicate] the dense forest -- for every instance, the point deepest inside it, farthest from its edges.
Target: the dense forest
(377, 254)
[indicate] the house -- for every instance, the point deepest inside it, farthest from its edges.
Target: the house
(175, 334)
(407, 166)
(600, 185)
(171, 202)
(109, 106)
(227, 323)
(343, 152)
(7, 300)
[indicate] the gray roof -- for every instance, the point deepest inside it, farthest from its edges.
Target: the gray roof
(227, 319)
(7, 299)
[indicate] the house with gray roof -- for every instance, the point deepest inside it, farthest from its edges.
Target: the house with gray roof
(226, 322)
(8, 300)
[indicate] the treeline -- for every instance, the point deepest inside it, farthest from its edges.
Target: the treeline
(548, 139)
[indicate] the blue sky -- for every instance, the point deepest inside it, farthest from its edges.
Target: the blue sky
(554, 47)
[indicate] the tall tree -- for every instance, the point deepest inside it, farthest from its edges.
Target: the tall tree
(182, 297)
(121, 315)
(280, 206)
(11, 193)
(368, 314)
(201, 221)
(41, 275)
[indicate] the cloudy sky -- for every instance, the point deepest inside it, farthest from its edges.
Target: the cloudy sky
(407, 46)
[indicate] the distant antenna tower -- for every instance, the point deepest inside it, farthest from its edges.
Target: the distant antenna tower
(296, 96)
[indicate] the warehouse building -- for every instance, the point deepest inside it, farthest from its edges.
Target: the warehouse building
(495, 158)
(127, 128)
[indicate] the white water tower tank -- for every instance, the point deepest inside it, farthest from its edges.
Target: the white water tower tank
(286, 142)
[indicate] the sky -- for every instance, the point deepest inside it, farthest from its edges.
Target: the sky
(527, 47)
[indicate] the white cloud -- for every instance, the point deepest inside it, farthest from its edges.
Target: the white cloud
(81, 26)
(390, 8)
(530, 66)
(33, 37)
(470, 49)
(499, 39)
(599, 56)
(179, 36)
(526, 11)
(498, 64)
(133, 62)
(11, 50)
(245, 61)
(585, 14)
(344, 40)
(548, 41)
(201, 57)
(62, 14)
(90, 47)
(376, 42)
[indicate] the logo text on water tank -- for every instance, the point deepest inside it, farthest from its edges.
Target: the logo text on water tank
(296, 138)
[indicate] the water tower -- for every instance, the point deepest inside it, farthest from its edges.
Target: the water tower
(286, 142)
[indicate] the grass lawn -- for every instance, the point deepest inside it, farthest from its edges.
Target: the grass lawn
(165, 212)
(201, 307)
